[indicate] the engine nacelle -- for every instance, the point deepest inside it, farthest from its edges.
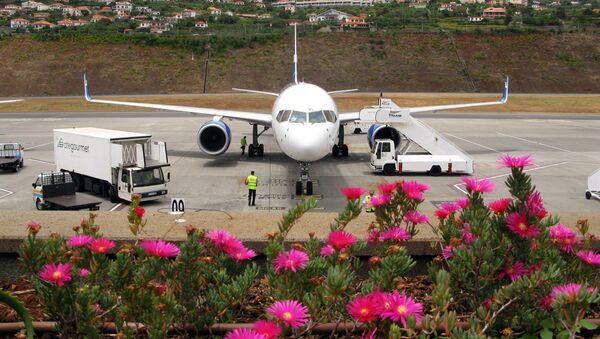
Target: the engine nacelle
(377, 131)
(214, 137)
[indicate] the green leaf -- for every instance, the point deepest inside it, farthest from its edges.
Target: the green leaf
(588, 325)
(548, 323)
(15, 304)
(546, 334)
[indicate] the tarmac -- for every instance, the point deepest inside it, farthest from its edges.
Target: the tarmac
(564, 148)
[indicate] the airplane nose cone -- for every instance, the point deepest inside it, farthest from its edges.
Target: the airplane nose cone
(310, 143)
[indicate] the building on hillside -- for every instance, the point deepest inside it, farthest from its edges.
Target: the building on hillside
(201, 24)
(42, 7)
(475, 19)
(41, 15)
(71, 23)
(496, 3)
(12, 7)
(215, 11)
(355, 22)
(322, 3)
(19, 23)
(42, 24)
(517, 2)
(494, 12)
(124, 6)
(418, 4)
(333, 15)
(450, 7)
(472, 1)
(98, 18)
(105, 9)
(189, 13)
(29, 4)
(56, 7)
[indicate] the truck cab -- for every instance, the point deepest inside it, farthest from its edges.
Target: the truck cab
(148, 182)
(11, 156)
(383, 156)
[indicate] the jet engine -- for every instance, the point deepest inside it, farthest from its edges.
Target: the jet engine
(214, 137)
(377, 131)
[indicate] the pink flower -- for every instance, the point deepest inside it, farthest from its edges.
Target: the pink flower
(535, 205)
(517, 222)
(415, 217)
(372, 236)
(244, 333)
(499, 206)
(379, 199)
(34, 227)
(514, 272)
(327, 250)
(401, 307)
(290, 312)
(510, 161)
(79, 240)
(341, 239)
(589, 257)
(160, 248)
(563, 236)
(139, 211)
(83, 272)
(447, 252)
(570, 291)
(467, 235)
(364, 308)
(241, 254)
(223, 240)
(101, 245)
(446, 208)
(395, 233)
(353, 193)
(478, 185)
(546, 303)
(441, 213)
(462, 202)
(267, 328)
(387, 187)
(292, 260)
(413, 189)
(57, 274)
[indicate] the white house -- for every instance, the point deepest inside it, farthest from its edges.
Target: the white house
(216, 11)
(42, 24)
(19, 23)
(124, 6)
(189, 13)
(201, 24)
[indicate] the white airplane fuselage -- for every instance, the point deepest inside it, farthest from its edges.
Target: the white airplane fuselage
(301, 139)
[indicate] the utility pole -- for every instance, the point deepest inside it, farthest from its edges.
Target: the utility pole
(206, 67)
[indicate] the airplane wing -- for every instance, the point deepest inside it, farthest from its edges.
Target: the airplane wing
(347, 117)
(252, 117)
(7, 101)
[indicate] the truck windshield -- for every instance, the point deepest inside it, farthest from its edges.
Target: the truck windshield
(148, 177)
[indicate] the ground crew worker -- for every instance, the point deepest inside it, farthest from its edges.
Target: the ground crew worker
(251, 183)
(367, 201)
(243, 144)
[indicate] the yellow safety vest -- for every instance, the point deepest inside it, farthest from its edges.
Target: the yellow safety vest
(243, 142)
(367, 207)
(251, 180)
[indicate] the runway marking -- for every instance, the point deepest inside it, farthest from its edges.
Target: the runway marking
(457, 186)
(36, 146)
(117, 207)
(5, 194)
(546, 145)
(42, 161)
(474, 143)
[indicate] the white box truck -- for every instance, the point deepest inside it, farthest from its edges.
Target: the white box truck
(593, 190)
(112, 163)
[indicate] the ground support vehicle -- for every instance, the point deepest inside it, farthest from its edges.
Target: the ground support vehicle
(56, 190)
(593, 190)
(11, 156)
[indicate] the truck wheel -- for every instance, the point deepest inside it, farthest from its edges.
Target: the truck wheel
(22, 163)
(39, 205)
(112, 194)
(309, 188)
(435, 171)
(335, 151)
(16, 168)
(345, 150)
(588, 195)
(299, 190)
(389, 169)
(357, 131)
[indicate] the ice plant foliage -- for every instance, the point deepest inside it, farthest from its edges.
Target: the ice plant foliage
(292, 261)
(160, 248)
(290, 312)
(57, 274)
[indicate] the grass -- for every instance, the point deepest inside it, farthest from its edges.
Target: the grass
(519, 103)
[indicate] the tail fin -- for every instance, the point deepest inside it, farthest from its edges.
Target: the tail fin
(505, 91)
(86, 88)
(295, 54)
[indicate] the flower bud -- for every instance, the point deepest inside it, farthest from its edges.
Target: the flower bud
(317, 281)
(374, 261)
(120, 335)
(311, 234)
(190, 229)
(297, 247)
(272, 235)
(34, 227)
(76, 228)
(126, 248)
(207, 260)
(93, 215)
(343, 257)
(160, 307)
(94, 229)
(75, 258)
(507, 332)
(394, 249)
(84, 223)
(438, 259)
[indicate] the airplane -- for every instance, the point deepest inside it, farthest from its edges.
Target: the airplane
(304, 119)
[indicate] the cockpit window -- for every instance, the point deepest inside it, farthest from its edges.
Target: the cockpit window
(286, 115)
(316, 117)
(298, 116)
(279, 115)
(330, 116)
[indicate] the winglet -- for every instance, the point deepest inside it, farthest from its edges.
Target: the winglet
(295, 54)
(88, 97)
(505, 91)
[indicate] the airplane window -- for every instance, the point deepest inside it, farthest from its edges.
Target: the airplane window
(298, 116)
(279, 115)
(316, 116)
(330, 116)
(286, 115)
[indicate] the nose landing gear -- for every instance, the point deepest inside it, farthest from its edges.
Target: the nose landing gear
(340, 149)
(304, 181)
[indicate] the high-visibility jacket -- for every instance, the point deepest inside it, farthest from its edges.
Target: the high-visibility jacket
(368, 208)
(243, 142)
(251, 182)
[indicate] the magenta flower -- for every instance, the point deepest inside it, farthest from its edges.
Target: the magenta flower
(244, 333)
(517, 222)
(535, 205)
(291, 312)
(223, 240)
(447, 252)
(327, 250)
(563, 236)
(387, 187)
(500, 206)
(83, 272)
(372, 236)
(353, 193)
(267, 328)
(364, 308)
(413, 189)
(478, 185)
(241, 254)
(292, 260)
(395, 233)
(341, 239)
(510, 161)
(589, 257)
(57, 274)
(514, 272)
(379, 199)
(101, 245)
(415, 217)
(79, 240)
(160, 248)
(467, 235)
(569, 291)
(441, 213)
(401, 307)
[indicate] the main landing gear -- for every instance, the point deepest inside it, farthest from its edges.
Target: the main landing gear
(255, 149)
(304, 181)
(340, 149)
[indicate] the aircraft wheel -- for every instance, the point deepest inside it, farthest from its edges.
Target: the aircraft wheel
(309, 188)
(588, 195)
(251, 151)
(389, 169)
(299, 190)
(345, 150)
(261, 150)
(335, 151)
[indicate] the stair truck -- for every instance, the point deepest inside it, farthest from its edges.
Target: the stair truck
(593, 190)
(56, 190)
(112, 163)
(11, 156)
